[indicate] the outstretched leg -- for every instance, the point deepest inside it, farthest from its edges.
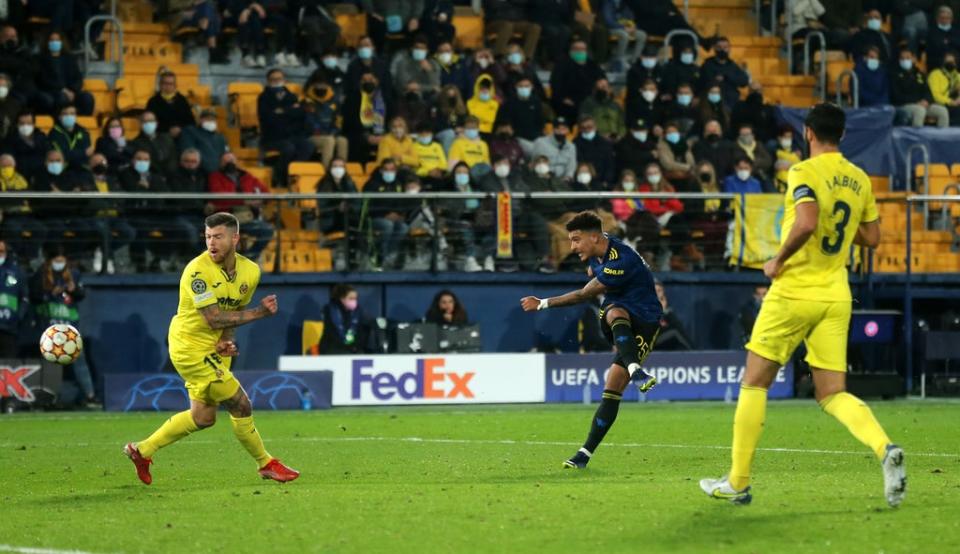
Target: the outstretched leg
(606, 414)
(199, 416)
(241, 417)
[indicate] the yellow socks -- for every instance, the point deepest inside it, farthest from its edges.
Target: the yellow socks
(747, 428)
(858, 419)
(174, 429)
(249, 437)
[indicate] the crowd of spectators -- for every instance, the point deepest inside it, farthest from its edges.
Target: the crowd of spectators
(433, 117)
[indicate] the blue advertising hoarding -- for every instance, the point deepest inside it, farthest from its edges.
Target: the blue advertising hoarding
(268, 390)
(682, 376)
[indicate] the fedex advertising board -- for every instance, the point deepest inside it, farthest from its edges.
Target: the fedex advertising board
(428, 379)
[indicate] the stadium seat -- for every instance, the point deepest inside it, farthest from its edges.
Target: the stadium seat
(353, 24)
(304, 177)
(104, 99)
(469, 27)
(44, 123)
(310, 337)
(263, 174)
(243, 104)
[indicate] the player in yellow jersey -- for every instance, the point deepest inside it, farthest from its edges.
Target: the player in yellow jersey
(829, 206)
(215, 288)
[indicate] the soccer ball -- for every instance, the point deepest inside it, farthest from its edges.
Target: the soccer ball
(61, 344)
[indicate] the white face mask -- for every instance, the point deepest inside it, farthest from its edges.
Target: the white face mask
(786, 143)
(337, 172)
(445, 57)
(743, 174)
(502, 170)
(58, 266)
(584, 178)
(4, 91)
(210, 126)
(654, 178)
(25, 130)
(541, 169)
(649, 95)
(629, 186)
(640, 135)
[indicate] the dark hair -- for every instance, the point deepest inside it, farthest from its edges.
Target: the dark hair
(228, 220)
(421, 39)
(273, 70)
(435, 315)
(585, 221)
(742, 159)
(340, 291)
(497, 158)
(424, 127)
(827, 121)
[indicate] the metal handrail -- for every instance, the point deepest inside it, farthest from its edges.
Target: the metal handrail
(926, 175)
(944, 209)
(854, 88)
(117, 28)
(675, 32)
(686, 10)
(823, 60)
(356, 195)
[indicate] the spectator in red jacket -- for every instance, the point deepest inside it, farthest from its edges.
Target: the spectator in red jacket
(231, 179)
(676, 247)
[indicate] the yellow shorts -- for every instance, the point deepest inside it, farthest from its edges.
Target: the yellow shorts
(209, 380)
(822, 326)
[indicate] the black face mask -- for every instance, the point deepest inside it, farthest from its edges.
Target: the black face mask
(10, 44)
(949, 66)
(412, 97)
(368, 87)
(711, 138)
(560, 137)
(230, 168)
(705, 177)
(99, 169)
(322, 91)
(503, 135)
(723, 55)
(600, 95)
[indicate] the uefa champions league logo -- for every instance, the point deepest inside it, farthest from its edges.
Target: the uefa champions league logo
(276, 388)
(152, 389)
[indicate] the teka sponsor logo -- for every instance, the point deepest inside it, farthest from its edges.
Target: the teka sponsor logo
(427, 381)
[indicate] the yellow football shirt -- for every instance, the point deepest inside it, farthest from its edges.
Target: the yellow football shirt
(471, 152)
(203, 284)
(431, 157)
(843, 192)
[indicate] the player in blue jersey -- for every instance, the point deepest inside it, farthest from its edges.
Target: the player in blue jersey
(630, 317)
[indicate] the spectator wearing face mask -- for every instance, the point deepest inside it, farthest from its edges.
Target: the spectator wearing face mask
(515, 67)
(461, 217)
(605, 111)
(556, 211)
(646, 67)
(387, 18)
(115, 232)
(755, 112)
(674, 153)
(365, 118)
(678, 251)
(367, 61)
(28, 145)
(431, 161)
(944, 83)
(788, 154)
(389, 222)
(637, 148)
(638, 225)
(720, 70)
(16, 294)
(871, 34)
(742, 181)
(712, 107)
(412, 107)
(525, 113)
(328, 73)
(282, 123)
(682, 111)
(449, 115)
(874, 81)
(470, 148)
(750, 148)
(163, 151)
(593, 148)
(648, 106)
(561, 152)
(437, 22)
(453, 67)
(318, 26)
(504, 18)
(171, 107)
(713, 148)
(190, 177)
(206, 139)
(910, 94)
(481, 64)
(22, 230)
(483, 104)
(709, 217)
(333, 213)
(59, 80)
(573, 80)
(231, 178)
(398, 146)
(943, 37)
(417, 66)
(345, 329)
(70, 138)
(681, 69)
(113, 145)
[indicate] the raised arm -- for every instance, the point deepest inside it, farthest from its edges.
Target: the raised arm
(591, 289)
(219, 319)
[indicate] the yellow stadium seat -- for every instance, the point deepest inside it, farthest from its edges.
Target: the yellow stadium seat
(304, 177)
(87, 122)
(44, 123)
(131, 127)
(243, 103)
(353, 24)
(263, 174)
(104, 99)
(310, 338)
(469, 28)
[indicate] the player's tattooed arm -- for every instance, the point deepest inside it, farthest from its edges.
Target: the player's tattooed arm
(590, 290)
(219, 319)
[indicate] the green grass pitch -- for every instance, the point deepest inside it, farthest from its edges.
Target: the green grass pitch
(480, 479)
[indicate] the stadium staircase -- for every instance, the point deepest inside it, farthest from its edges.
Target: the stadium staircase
(231, 90)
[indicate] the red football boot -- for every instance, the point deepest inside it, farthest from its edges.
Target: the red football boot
(142, 464)
(278, 472)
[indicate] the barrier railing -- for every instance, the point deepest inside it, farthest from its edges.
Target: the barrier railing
(675, 33)
(854, 88)
(908, 181)
(115, 27)
(822, 81)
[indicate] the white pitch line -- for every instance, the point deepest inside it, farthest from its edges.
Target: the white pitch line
(511, 442)
(32, 550)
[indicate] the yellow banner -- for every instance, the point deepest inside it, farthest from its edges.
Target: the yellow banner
(504, 225)
(756, 229)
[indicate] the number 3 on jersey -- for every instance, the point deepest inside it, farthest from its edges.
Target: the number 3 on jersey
(832, 248)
